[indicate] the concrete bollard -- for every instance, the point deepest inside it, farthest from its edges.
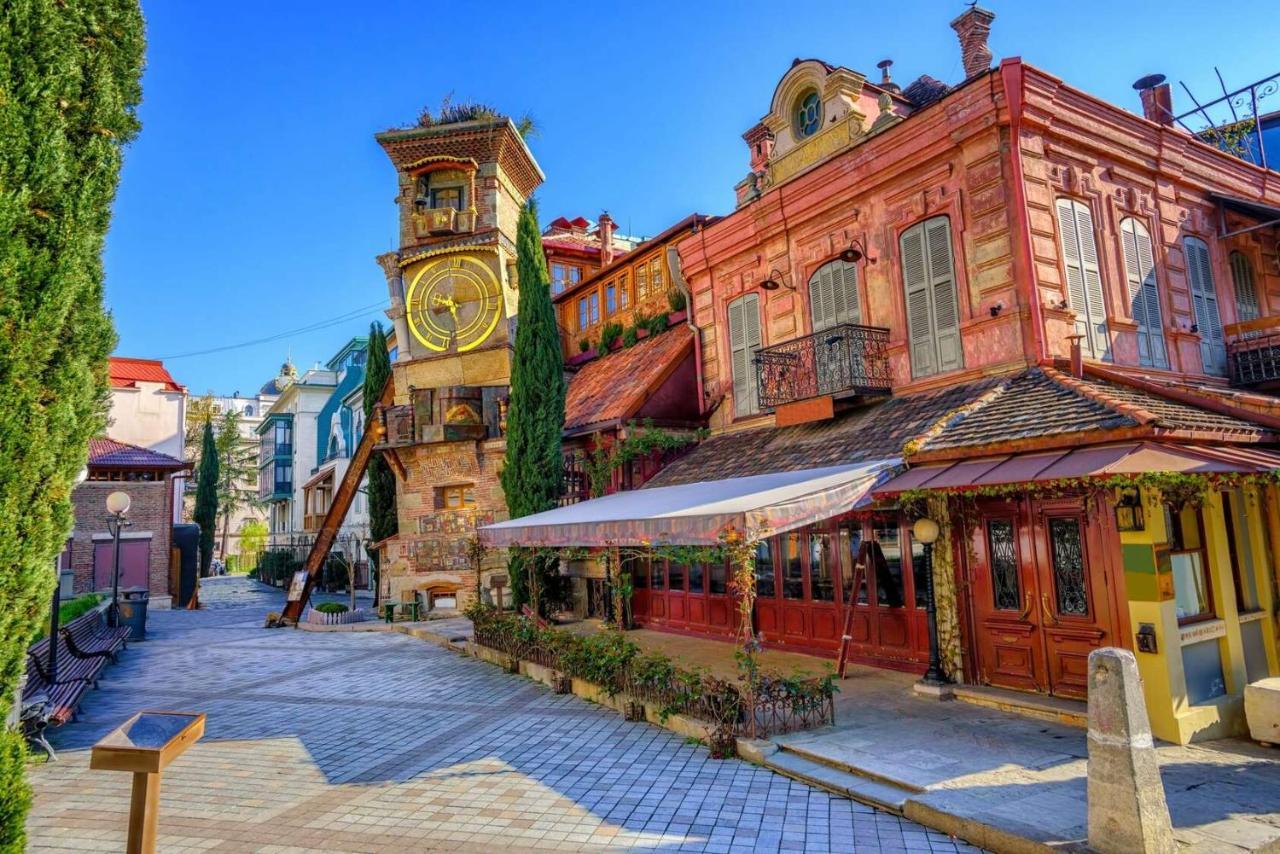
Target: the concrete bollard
(1127, 809)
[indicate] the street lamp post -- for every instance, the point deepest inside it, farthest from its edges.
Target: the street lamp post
(925, 531)
(117, 505)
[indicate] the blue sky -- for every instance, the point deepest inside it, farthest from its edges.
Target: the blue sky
(256, 199)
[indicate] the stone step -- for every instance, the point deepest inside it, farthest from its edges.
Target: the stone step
(831, 762)
(1057, 709)
(873, 793)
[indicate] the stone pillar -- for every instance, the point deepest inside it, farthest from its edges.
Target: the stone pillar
(390, 264)
(1127, 809)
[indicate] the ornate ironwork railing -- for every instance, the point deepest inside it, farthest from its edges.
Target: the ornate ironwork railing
(1253, 352)
(843, 359)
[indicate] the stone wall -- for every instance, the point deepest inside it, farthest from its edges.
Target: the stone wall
(150, 513)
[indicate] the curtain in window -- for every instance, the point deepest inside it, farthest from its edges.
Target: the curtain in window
(1084, 278)
(1204, 298)
(933, 312)
(1144, 299)
(744, 340)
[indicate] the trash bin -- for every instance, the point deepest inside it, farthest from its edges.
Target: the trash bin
(133, 611)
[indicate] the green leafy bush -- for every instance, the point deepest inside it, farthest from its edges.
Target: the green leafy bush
(332, 608)
(631, 337)
(584, 345)
(69, 610)
(658, 324)
(676, 299)
(15, 794)
(608, 335)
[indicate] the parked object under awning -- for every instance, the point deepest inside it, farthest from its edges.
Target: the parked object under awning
(697, 513)
(1130, 458)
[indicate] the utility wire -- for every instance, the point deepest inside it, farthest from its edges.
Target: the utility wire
(312, 327)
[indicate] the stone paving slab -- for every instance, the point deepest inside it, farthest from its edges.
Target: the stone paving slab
(380, 742)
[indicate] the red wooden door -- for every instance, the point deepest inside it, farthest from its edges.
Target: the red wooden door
(1004, 598)
(677, 596)
(823, 564)
(888, 605)
(768, 611)
(794, 608)
(135, 563)
(1074, 600)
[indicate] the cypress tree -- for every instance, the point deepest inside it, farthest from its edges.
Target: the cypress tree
(382, 481)
(533, 465)
(206, 511)
(70, 82)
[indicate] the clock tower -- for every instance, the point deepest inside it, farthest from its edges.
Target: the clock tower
(461, 185)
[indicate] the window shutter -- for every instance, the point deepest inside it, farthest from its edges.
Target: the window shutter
(821, 299)
(915, 281)
(1247, 307)
(1084, 278)
(744, 340)
(833, 295)
(1144, 298)
(946, 310)
(1213, 352)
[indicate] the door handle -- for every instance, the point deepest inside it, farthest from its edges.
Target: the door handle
(1048, 612)
(1026, 612)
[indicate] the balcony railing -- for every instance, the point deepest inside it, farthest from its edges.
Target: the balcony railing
(841, 361)
(1253, 352)
(433, 222)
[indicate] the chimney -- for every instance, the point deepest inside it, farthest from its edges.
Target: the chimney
(973, 27)
(759, 141)
(605, 231)
(1077, 357)
(1157, 99)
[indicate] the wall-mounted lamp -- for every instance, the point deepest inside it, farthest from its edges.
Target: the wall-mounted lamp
(996, 309)
(776, 281)
(855, 252)
(1129, 510)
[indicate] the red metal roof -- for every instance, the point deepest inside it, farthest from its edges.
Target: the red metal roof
(108, 453)
(127, 373)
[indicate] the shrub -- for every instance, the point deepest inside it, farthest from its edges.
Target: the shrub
(631, 337)
(658, 324)
(608, 335)
(676, 299)
(584, 345)
(331, 608)
(15, 794)
(68, 611)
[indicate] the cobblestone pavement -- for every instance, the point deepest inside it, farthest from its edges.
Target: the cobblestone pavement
(380, 742)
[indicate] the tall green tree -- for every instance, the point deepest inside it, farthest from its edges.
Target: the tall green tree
(207, 481)
(70, 83)
(382, 481)
(237, 460)
(532, 468)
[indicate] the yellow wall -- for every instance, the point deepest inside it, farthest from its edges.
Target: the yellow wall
(1173, 718)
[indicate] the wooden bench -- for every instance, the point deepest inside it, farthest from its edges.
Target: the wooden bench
(86, 645)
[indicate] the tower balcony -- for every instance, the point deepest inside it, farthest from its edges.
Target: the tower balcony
(845, 360)
(439, 222)
(1253, 353)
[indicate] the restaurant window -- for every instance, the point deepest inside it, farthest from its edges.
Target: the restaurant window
(1002, 557)
(610, 298)
(658, 573)
(822, 586)
(447, 197)
(624, 291)
(933, 312)
(717, 577)
(889, 585)
(744, 341)
(1193, 596)
(851, 545)
(638, 567)
(765, 583)
(675, 576)
(792, 567)
(695, 577)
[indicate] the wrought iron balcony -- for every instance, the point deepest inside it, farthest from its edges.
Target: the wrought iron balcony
(434, 222)
(842, 361)
(1253, 352)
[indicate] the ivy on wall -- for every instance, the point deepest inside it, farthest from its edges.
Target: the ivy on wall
(639, 443)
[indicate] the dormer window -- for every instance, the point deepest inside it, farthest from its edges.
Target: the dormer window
(808, 114)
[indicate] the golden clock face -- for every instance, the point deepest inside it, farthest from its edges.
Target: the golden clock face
(454, 303)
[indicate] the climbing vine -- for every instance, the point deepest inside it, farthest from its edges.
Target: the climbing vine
(638, 443)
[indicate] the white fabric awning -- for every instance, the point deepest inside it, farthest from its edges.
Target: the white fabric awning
(697, 513)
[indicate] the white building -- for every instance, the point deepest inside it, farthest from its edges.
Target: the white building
(149, 410)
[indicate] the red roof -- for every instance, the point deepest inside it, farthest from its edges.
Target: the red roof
(108, 453)
(613, 389)
(127, 373)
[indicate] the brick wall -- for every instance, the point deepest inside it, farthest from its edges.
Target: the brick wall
(149, 512)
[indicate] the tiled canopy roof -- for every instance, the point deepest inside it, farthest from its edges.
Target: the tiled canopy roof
(109, 453)
(127, 373)
(1041, 404)
(875, 432)
(613, 388)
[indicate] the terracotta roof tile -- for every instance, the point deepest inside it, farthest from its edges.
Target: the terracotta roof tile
(873, 432)
(613, 388)
(127, 373)
(110, 453)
